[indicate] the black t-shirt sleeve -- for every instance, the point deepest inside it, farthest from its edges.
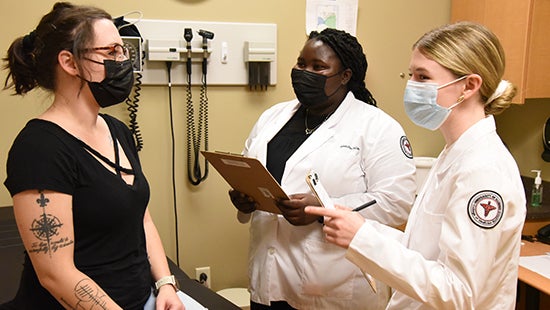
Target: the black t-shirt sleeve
(39, 159)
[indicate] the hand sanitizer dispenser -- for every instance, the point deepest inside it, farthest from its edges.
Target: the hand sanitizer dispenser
(536, 192)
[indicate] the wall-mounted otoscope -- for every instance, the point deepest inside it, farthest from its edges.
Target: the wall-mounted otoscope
(188, 36)
(206, 35)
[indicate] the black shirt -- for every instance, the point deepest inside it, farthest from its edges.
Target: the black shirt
(107, 213)
(289, 139)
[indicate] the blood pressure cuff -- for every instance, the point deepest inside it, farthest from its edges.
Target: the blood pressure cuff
(126, 30)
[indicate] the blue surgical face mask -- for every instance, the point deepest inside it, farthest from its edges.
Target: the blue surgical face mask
(420, 101)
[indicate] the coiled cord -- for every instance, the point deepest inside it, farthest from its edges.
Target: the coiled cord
(191, 135)
(194, 138)
(203, 121)
(133, 109)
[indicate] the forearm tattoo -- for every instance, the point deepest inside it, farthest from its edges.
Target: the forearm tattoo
(46, 230)
(88, 295)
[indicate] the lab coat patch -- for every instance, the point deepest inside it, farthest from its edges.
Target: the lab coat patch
(485, 209)
(406, 147)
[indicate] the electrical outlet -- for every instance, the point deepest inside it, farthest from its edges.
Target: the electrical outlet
(205, 272)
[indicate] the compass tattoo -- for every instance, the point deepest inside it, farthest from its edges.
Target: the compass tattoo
(46, 230)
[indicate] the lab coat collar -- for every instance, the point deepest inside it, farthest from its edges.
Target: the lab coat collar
(275, 125)
(479, 130)
(322, 134)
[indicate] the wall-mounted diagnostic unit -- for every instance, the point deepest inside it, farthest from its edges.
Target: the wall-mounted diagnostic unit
(235, 53)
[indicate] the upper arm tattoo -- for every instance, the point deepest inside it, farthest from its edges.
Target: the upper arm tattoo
(46, 229)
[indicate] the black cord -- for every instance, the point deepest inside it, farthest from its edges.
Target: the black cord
(191, 135)
(169, 68)
(133, 109)
(203, 120)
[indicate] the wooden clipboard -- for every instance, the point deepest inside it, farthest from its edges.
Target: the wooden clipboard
(248, 175)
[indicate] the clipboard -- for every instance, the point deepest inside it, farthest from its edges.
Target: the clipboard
(249, 176)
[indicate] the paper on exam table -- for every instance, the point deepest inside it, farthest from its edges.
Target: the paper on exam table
(188, 302)
(538, 263)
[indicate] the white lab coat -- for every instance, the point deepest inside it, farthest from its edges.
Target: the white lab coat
(358, 156)
(451, 257)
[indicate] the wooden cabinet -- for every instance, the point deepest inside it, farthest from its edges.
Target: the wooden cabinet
(523, 27)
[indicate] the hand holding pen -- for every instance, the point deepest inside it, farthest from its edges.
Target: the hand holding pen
(361, 207)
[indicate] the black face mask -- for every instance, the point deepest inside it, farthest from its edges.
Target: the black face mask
(309, 87)
(117, 84)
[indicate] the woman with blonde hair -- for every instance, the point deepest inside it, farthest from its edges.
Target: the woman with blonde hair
(460, 248)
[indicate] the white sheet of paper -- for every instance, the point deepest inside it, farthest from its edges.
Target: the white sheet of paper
(538, 263)
(338, 14)
(188, 302)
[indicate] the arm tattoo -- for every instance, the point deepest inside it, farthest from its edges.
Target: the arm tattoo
(46, 230)
(88, 295)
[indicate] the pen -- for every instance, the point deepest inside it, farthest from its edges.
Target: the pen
(365, 205)
(371, 281)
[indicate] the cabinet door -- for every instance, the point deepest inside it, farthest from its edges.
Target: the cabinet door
(510, 21)
(538, 72)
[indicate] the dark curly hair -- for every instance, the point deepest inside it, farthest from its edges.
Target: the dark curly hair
(351, 55)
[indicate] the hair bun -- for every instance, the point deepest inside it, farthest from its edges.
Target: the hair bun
(499, 91)
(28, 41)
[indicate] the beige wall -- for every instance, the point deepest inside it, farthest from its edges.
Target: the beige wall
(520, 127)
(208, 232)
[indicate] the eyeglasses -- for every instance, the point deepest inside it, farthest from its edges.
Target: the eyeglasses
(117, 51)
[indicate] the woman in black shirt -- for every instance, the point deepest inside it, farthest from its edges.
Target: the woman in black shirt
(79, 194)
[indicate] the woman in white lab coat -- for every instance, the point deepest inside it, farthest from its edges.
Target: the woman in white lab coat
(360, 154)
(460, 249)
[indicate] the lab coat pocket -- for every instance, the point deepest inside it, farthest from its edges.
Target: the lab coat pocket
(428, 223)
(342, 172)
(326, 272)
(432, 214)
(435, 202)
